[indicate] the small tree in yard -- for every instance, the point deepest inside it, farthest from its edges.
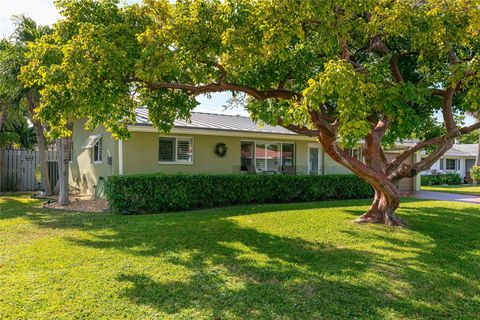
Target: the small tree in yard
(15, 98)
(372, 71)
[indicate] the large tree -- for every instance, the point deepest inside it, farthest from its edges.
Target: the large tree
(343, 71)
(16, 98)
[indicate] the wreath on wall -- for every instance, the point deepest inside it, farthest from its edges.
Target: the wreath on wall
(221, 150)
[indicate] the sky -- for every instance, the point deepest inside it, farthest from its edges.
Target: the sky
(44, 12)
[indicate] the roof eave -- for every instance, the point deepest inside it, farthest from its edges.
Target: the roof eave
(222, 132)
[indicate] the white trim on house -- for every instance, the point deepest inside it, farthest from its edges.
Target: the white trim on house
(120, 157)
(205, 132)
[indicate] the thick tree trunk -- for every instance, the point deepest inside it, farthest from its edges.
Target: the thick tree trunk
(37, 125)
(63, 151)
(383, 208)
(387, 196)
(40, 136)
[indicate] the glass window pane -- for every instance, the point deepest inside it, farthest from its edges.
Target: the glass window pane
(450, 164)
(288, 155)
(166, 150)
(97, 151)
(260, 156)
(184, 150)
(273, 157)
(246, 155)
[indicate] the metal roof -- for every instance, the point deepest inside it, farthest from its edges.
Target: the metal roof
(461, 150)
(223, 122)
(212, 121)
(466, 150)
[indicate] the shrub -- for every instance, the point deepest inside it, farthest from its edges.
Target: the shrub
(438, 178)
(144, 193)
(452, 178)
(475, 173)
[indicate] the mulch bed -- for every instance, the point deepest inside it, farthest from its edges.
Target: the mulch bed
(84, 203)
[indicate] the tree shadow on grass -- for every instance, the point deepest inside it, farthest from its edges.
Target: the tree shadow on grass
(232, 271)
(244, 273)
(443, 262)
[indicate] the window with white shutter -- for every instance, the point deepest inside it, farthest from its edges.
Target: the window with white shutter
(451, 164)
(184, 150)
(175, 150)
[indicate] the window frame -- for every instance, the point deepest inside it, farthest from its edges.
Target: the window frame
(456, 163)
(253, 154)
(100, 152)
(176, 161)
(351, 153)
(266, 143)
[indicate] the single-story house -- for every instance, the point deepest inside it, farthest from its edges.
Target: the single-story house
(459, 159)
(209, 143)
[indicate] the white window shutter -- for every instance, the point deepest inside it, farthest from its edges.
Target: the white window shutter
(184, 150)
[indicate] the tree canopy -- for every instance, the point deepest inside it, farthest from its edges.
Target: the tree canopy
(104, 60)
(373, 71)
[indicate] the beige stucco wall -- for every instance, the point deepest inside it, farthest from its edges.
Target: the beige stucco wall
(140, 154)
(84, 173)
(330, 166)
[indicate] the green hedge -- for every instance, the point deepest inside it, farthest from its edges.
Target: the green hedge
(145, 193)
(441, 178)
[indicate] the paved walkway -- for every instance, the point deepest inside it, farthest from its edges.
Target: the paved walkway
(433, 195)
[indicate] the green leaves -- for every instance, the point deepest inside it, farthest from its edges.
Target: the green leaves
(148, 193)
(349, 92)
(102, 57)
(165, 106)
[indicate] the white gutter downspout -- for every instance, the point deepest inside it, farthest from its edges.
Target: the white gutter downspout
(120, 157)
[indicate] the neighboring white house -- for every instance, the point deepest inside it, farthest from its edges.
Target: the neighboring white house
(460, 158)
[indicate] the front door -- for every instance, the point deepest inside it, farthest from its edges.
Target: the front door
(314, 166)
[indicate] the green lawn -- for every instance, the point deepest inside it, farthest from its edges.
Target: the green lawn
(293, 261)
(461, 189)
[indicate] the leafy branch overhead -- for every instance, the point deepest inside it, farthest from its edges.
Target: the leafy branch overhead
(372, 71)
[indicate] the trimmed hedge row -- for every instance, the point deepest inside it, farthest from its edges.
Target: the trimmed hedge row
(147, 193)
(441, 178)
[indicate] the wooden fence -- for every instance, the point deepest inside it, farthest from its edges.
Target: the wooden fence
(19, 169)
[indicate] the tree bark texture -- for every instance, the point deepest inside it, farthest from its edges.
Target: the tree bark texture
(37, 125)
(40, 136)
(63, 158)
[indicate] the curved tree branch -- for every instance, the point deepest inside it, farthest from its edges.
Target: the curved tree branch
(420, 166)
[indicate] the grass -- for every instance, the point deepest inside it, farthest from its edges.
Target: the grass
(460, 189)
(289, 261)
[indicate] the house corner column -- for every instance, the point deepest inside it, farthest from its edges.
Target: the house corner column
(120, 157)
